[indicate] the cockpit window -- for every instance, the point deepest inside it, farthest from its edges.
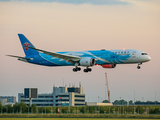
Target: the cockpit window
(144, 53)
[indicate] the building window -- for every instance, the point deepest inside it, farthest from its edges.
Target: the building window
(63, 95)
(62, 100)
(45, 96)
(80, 96)
(79, 104)
(79, 100)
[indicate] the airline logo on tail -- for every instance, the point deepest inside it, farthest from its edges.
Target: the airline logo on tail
(26, 45)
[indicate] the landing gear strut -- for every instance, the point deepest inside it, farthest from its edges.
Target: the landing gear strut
(87, 70)
(138, 67)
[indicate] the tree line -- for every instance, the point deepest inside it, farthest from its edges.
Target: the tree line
(123, 102)
(22, 108)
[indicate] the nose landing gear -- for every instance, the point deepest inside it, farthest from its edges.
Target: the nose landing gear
(138, 67)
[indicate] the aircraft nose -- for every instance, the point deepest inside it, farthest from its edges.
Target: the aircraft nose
(149, 58)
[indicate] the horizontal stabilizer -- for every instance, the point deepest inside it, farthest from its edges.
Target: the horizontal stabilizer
(19, 57)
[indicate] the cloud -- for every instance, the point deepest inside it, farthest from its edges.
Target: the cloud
(94, 2)
(152, 5)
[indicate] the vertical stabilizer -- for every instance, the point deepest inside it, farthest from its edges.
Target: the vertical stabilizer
(25, 44)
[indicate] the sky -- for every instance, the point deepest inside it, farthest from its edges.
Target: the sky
(78, 25)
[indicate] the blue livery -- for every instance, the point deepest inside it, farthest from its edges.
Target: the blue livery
(105, 58)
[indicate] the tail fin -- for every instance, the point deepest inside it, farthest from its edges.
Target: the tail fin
(25, 42)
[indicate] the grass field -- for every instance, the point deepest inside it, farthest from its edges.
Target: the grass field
(68, 119)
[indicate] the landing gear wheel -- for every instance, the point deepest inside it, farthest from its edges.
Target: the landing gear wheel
(78, 68)
(138, 67)
(74, 70)
(85, 70)
(89, 69)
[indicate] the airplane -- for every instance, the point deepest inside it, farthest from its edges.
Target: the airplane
(90, 58)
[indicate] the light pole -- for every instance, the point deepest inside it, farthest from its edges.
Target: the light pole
(142, 100)
(28, 109)
(134, 97)
(98, 104)
(134, 102)
(98, 99)
(120, 105)
(155, 98)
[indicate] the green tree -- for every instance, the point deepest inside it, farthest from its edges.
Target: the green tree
(16, 108)
(72, 109)
(48, 110)
(105, 101)
(131, 102)
(123, 102)
(82, 109)
(64, 109)
(34, 108)
(140, 109)
(116, 102)
(41, 110)
(23, 107)
(0, 105)
(157, 110)
(8, 108)
(103, 109)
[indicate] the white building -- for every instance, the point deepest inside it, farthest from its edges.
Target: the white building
(98, 104)
(3, 101)
(10, 99)
(61, 96)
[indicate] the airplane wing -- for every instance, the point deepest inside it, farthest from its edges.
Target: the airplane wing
(19, 57)
(69, 58)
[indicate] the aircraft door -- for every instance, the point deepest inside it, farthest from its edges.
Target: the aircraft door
(134, 54)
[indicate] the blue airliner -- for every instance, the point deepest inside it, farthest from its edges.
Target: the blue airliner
(105, 58)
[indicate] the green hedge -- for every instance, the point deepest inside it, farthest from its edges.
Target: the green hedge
(77, 116)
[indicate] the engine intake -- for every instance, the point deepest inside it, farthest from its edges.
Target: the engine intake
(87, 61)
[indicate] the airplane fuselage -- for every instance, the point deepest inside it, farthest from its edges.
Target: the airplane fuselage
(105, 58)
(127, 56)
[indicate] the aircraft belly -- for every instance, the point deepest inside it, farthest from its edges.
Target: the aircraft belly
(59, 62)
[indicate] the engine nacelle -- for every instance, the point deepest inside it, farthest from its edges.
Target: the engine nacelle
(109, 65)
(87, 61)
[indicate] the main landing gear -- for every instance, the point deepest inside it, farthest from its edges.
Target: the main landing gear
(76, 69)
(79, 69)
(87, 70)
(138, 67)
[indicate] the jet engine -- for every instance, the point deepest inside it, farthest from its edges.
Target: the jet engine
(109, 65)
(87, 61)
